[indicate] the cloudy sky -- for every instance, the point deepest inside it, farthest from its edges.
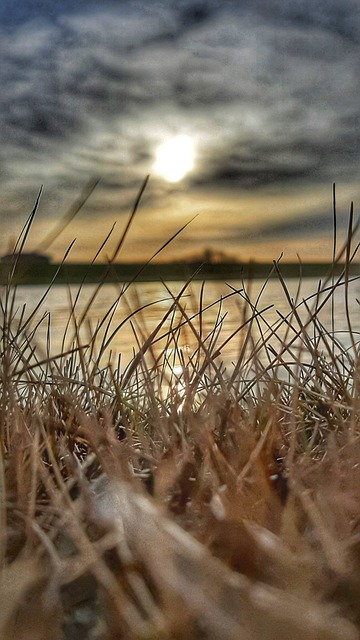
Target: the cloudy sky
(262, 98)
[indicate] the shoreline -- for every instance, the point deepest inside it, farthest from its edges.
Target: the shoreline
(76, 273)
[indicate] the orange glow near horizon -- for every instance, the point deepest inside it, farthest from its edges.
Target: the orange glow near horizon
(234, 223)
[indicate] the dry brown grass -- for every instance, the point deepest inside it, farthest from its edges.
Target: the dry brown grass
(163, 502)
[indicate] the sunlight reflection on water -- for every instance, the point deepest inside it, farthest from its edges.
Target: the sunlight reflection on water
(152, 301)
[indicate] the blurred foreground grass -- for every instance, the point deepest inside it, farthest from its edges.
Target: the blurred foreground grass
(177, 499)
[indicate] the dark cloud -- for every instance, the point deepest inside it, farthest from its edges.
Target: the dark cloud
(194, 14)
(247, 178)
(340, 18)
(305, 225)
(312, 225)
(13, 14)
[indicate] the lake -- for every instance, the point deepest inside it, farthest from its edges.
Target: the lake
(149, 302)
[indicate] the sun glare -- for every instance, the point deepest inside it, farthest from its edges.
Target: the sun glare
(175, 158)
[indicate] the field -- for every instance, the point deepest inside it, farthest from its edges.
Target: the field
(174, 499)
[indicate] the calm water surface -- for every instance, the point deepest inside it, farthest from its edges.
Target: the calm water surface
(272, 301)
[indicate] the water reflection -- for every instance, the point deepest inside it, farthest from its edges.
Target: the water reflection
(216, 315)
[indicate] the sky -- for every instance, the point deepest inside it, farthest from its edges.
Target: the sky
(243, 112)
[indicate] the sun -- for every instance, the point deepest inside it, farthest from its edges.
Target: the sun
(174, 158)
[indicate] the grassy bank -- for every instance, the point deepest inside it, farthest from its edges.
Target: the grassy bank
(175, 499)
